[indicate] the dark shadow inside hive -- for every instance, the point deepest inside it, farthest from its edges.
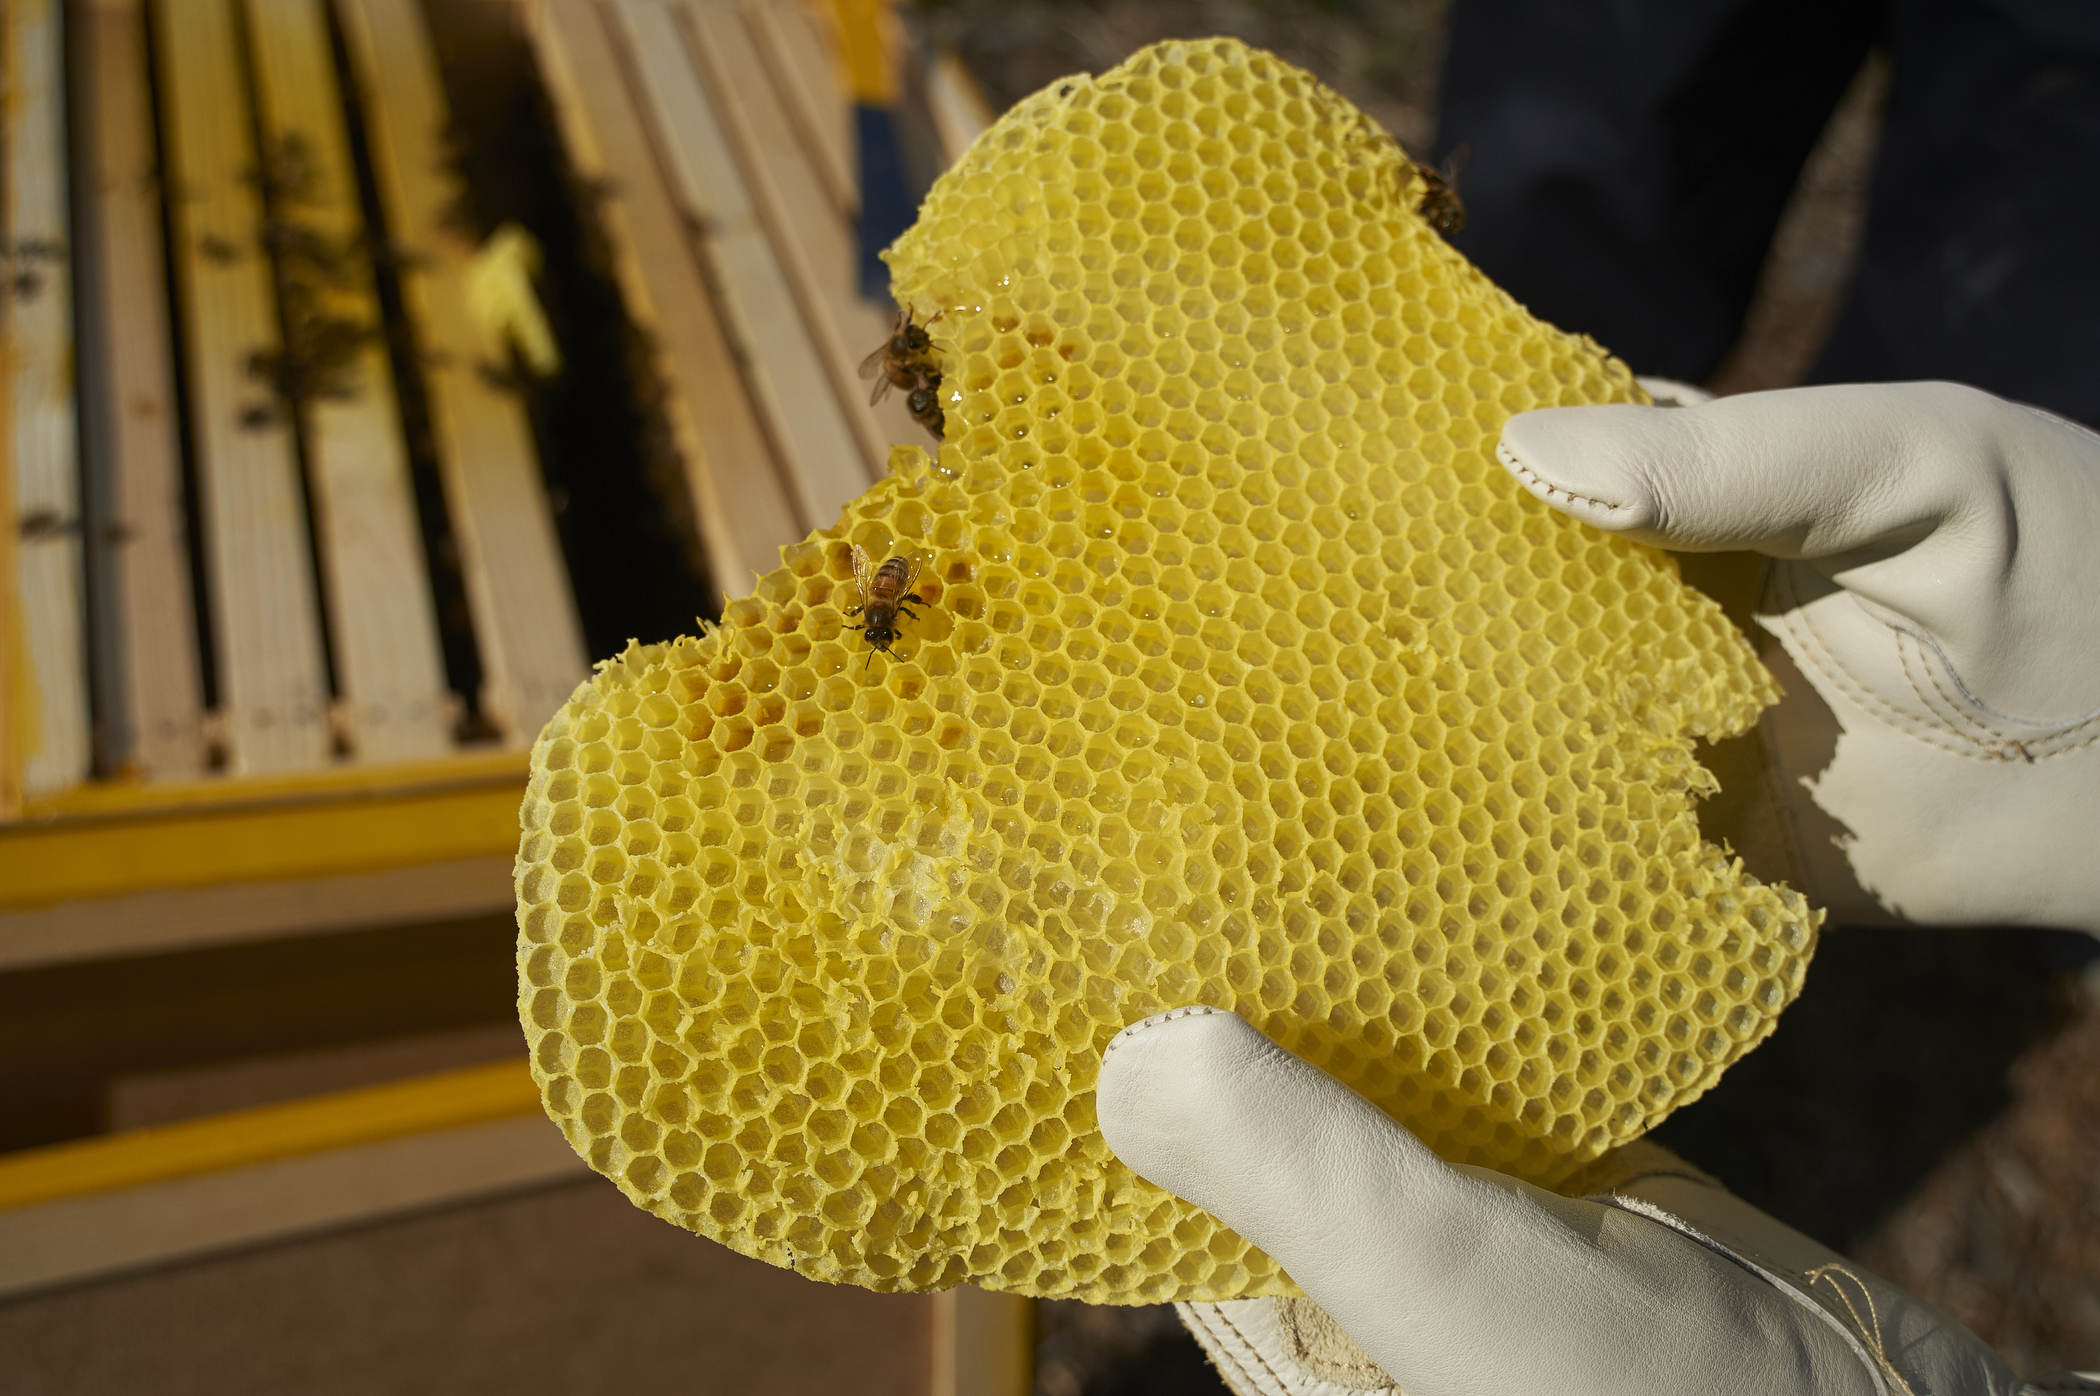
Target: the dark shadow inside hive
(622, 508)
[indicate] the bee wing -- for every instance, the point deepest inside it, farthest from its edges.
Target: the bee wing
(877, 362)
(1455, 164)
(911, 583)
(863, 573)
(872, 365)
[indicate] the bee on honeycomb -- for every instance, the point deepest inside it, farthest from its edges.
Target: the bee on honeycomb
(1441, 208)
(886, 599)
(1252, 681)
(905, 360)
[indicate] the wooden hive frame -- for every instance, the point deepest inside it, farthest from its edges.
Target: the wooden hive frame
(240, 439)
(323, 786)
(177, 166)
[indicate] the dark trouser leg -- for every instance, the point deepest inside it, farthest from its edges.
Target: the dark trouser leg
(1629, 158)
(1982, 257)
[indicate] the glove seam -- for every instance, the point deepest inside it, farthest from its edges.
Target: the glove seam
(1553, 492)
(1879, 1371)
(1814, 654)
(1946, 666)
(1809, 650)
(1911, 660)
(2056, 743)
(1194, 1010)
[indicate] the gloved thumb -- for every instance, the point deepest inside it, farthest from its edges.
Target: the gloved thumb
(1799, 473)
(1455, 1281)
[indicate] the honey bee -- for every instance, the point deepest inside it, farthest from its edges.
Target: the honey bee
(1441, 206)
(886, 595)
(905, 361)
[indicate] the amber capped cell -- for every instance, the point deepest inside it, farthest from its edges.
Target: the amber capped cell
(1244, 676)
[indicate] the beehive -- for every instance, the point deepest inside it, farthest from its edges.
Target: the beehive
(1246, 677)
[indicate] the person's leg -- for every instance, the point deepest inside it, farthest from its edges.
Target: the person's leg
(1982, 256)
(1629, 158)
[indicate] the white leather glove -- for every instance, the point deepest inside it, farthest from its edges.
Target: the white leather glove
(1937, 598)
(1454, 1281)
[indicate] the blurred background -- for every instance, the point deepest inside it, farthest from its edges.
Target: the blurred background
(375, 366)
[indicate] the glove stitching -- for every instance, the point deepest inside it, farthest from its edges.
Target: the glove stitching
(2054, 728)
(1908, 652)
(1194, 1010)
(1878, 1366)
(2055, 744)
(1553, 492)
(1870, 1326)
(1811, 652)
(1816, 655)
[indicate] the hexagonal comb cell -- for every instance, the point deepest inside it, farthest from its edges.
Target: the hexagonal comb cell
(1244, 677)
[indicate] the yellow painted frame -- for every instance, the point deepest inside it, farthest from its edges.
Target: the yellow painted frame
(870, 74)
(110, 840)
(135, 1158)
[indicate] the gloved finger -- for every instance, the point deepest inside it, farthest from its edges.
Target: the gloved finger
(1968, 520)
(1842, 473)
(1455, 1281)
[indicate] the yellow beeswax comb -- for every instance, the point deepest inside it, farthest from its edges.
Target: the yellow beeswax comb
(1243, 676)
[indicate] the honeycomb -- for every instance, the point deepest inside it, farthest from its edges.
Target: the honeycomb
(1245, 677)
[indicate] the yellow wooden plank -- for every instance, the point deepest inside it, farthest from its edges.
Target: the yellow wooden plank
(116, 799)
(814, 244)
(128, 380)
(871, 75)
(266, 621)
(98, 1236)
(525, 624)
(810, 419)
(297, 834)
(166, 920)
(17, 717)
(983, 1343)
(390, 674)
(797, 39)
(745, 510)
(241, 1138)
(51, 684)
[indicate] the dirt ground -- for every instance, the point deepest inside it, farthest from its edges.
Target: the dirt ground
(1932, 1105)
(2004, 1234)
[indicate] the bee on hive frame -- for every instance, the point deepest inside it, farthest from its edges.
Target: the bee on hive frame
(886, 596)
(905, 361)
(1441, 207)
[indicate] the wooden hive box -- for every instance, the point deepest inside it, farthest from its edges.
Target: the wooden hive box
(272, 476)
